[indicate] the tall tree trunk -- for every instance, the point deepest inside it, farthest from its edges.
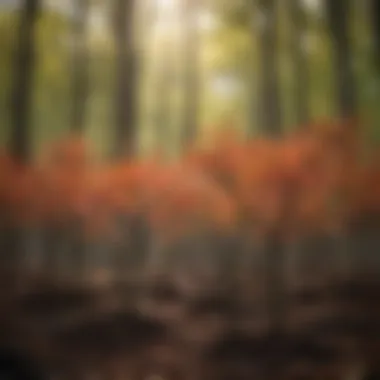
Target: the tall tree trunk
(163, 102)
(126, 77)
(338, 12)
(270, 109)
(191, 50)
(80, 75)
(163, 71)
(76, 256)
(24, 62)
(301, 78)
(375, 11)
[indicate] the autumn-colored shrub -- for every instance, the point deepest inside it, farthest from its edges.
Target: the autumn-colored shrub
(310, 180)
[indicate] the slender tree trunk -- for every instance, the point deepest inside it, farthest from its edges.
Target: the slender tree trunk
(80, 75)
(163, 71)
(126, 77)
(375, 11)
(274, 275)
(24, 62)
(191, 51)
(338, 12)
(80, 86)
(163, 103)
(270, 109)
(301, 77)
(275, 249)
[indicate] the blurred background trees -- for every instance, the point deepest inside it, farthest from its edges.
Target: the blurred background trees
(164, 72)
(152, 77)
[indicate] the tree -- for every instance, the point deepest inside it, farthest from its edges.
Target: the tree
(80, 85)
(375, 9)
(163, 80)
(270, 120)
(338, 12)
(126, 76)
(24, 63)
(301, 82)
(191, 74)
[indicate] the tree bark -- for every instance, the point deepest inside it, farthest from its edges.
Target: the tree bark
(126, 78)
(24, 62)
(338, 12)
(270, 120)
(80, 74)
(301, 77)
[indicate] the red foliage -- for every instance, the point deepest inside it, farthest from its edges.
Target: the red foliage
(306, 181)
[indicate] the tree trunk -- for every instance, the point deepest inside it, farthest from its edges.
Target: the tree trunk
(338, 12)
(80, 90)
(270, 109)
(80, 85)
(163, 102)
(24, 62)
(274, 275)
(301, 78)
(126, 76)
(191, 72)
(375, 9)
